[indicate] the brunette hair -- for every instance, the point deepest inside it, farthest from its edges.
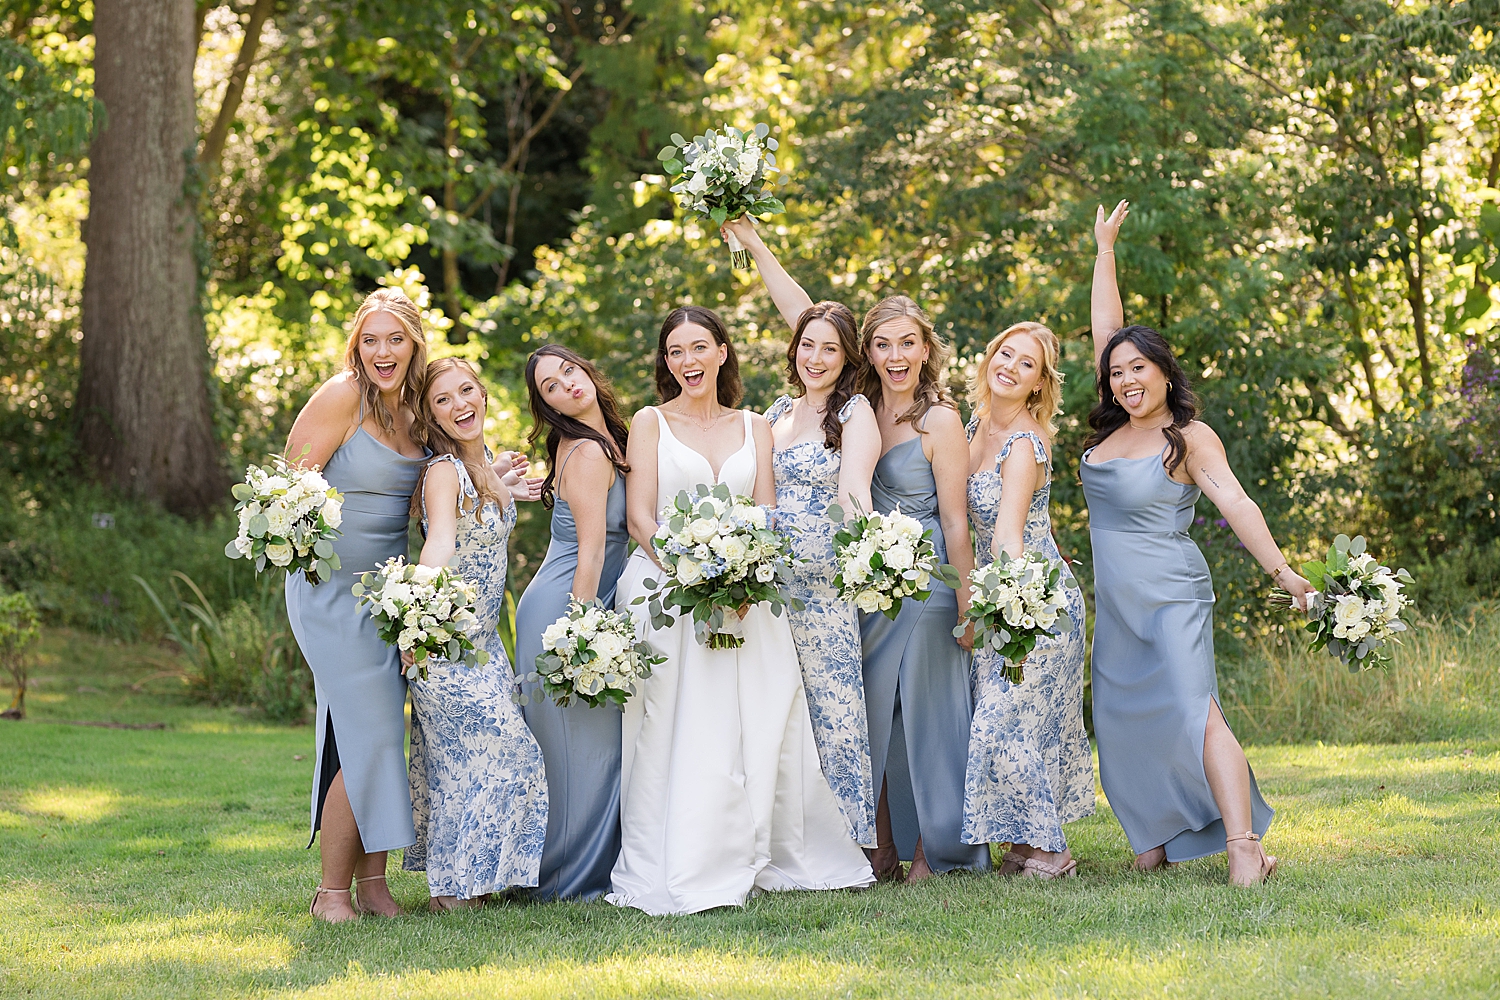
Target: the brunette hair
(931, 389)
(1046, 402)
(430, 433)
(838, 316)
(547, 423)
(731, 390)
(405, 312)
(1108, 416)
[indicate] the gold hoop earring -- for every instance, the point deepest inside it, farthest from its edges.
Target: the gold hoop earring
(1169, 385)
(1116, 399)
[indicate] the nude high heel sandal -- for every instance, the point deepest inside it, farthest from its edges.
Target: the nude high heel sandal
(312, 906)
(354, 892)
(1267, 862)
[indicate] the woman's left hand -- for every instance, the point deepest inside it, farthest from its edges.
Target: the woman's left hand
(511, 466)
(966, 641)
(1295, 585)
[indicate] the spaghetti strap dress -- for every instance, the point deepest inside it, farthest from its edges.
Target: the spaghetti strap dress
(917, 688)
(1030, 767)
(1153, 663)
(826, 631)
(581, 744)
(361, 693)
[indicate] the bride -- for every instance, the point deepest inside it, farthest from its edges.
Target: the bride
(721, 791)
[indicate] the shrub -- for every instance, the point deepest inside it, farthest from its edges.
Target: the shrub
(18, 630)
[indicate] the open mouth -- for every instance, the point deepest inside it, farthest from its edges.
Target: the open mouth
(385, 369)
(1004, 379)
(693, 379)
(897, 373)
(1134, 396)
(815, 373)
(466, 421)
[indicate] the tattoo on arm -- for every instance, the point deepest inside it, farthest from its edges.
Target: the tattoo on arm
(1211, 479)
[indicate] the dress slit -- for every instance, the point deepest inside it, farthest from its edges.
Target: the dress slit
(328, 769)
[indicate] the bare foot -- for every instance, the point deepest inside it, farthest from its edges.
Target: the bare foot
(442, 904)
(886, 863)
(919, 868)
(1151, 860)
(375, 897)
(333, 906)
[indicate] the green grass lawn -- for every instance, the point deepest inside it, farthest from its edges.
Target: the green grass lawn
(169, 863)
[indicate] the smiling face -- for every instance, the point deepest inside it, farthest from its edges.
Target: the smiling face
(694, 360)
(820, 356)
(457, 402)
(565, 386)
(897, 352)
(1136, 381)
(385, 350)
(1016, 369)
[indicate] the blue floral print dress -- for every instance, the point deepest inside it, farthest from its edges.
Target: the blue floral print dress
(826, 632)
(478, 789)
(1030, 770)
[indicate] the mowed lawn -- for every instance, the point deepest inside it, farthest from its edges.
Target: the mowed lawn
(170, 863)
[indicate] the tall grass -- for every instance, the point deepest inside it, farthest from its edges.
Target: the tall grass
(1442, 684)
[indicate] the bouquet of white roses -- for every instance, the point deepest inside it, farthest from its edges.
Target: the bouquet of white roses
(883, 559)
(427, 611)
(1016, 602)
(723, 175)
(591, 654)
(721, 555)
(289, 517)
(1357, 606)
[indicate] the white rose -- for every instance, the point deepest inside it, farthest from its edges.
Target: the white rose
(1348, 610)
(765, 573)
(734, 548)
(703, 529)
(554, 635)
(702, 553)
(923, 580)
(423, 575)
(608, 646)
(280, 555)
(333, 512)
(869, 600)
(688, 572)
(899, 558)
(242, 545)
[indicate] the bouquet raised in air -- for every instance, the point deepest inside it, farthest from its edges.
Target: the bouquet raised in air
(1358, 603)
(427, 611)
(1016, 602)
(591, 654)
(883, 559)
(289, 517)
(721, 555)
(723, 175)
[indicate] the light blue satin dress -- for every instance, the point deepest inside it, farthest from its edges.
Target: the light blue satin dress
(917, 689)
(361, 693)
(478, 791)
(581, 744)
(1153, 665)
(826, 632)
(1030, 768)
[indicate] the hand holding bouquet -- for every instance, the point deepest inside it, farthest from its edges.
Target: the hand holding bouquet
(883, 559)
(721, 556)
(1357, 604)
(591, 654)
(426, 611)
(724, 175)
(289, 517)
(1016, 602)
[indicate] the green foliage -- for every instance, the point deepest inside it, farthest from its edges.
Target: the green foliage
(19, 628)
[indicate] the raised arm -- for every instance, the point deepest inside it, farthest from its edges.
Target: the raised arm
(584, 484)
(950, 468)
(1020, 474)
(1209, 469)
(440, 495)
(1106, 311)
(858, 453)
(328, 420)
(640, 481)
(791, 301)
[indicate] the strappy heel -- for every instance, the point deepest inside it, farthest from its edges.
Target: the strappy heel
(1047, 871)
(312, 905)
(891, 873)
(354, 892)
(1268, 862)
(1012, 864)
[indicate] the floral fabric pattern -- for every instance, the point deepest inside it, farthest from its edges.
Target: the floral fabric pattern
(478, 789)
(1030, 770)
(826, 632)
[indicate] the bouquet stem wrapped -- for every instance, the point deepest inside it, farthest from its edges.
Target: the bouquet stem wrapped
(1016, 602)
(423, 610)
(289, 517)
(1357, 605)
(723, 175)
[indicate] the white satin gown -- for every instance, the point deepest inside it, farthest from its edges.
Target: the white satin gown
(721, 790)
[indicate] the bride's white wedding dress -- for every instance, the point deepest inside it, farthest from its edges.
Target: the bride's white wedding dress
(721, 791)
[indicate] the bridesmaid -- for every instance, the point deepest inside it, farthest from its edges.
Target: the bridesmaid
(826, 445)
(574, 408)
(1175, 775)
(477, 786)
(1030, 766)
(916, 673)
(358, 428)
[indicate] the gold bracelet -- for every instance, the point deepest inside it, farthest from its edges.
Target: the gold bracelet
(1277, 571)
(1103, 252)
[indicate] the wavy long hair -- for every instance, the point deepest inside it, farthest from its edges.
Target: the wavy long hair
(1108, 416)
(838, 316)
(430, 433)
(405, 312)
(550, 426)
(1046, 402)
(730, 389)
(932, 390)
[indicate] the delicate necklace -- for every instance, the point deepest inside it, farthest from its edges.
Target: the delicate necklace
(705, 428)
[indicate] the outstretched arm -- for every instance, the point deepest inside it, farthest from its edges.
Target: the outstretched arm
(1106, 311)
(1209, 469)
(791, 301)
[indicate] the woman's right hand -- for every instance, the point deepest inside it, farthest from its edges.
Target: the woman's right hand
(407, 660)
(743, 228)
(1107, 227)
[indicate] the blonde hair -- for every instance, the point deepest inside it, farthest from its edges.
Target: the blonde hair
(1045, 403)
(405, 312)
(430, 434)
(931, 389)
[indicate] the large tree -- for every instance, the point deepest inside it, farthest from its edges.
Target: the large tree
(143, 410)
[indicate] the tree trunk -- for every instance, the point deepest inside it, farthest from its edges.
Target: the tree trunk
(143, 412)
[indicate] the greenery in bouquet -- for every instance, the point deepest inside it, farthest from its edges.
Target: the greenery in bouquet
(1357, 605)
(885, 558)
(427, 611)
(289, 517)
(1015, 603)
(591, 654)
(724, 174)
(721, 555)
